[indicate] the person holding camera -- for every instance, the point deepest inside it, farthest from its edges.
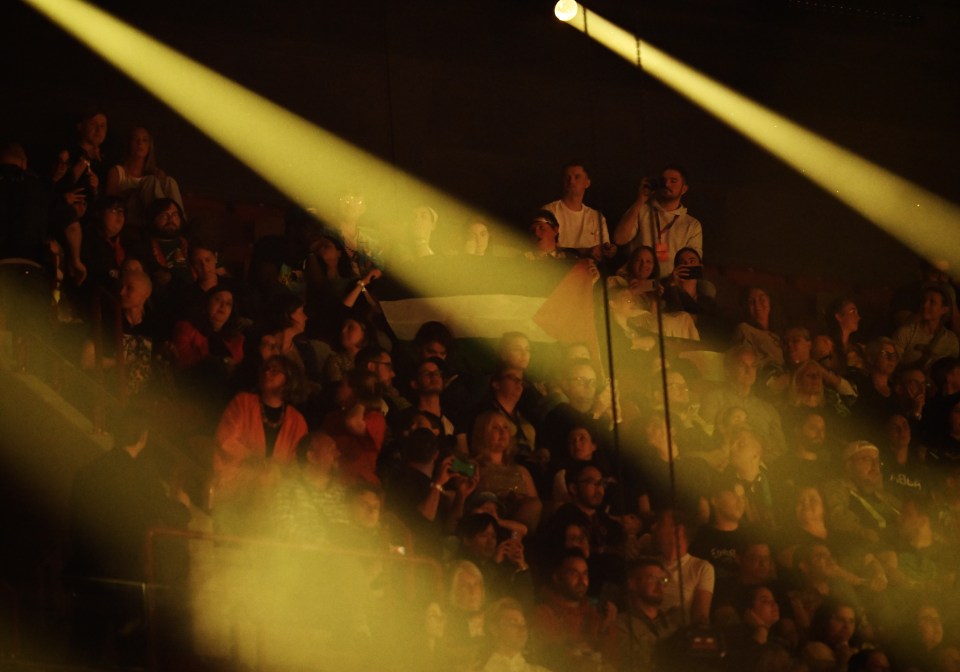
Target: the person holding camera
(658, 218)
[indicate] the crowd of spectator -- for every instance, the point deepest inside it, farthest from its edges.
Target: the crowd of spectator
(803, 514)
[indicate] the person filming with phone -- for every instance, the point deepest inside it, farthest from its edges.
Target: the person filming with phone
(657, 218)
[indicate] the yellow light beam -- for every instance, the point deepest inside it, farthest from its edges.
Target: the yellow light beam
(922, 220)
(305, 162)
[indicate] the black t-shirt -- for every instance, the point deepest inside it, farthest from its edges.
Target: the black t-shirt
(719, 548)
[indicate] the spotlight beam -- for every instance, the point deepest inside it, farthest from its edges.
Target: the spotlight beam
(309, 164)
(922, 220)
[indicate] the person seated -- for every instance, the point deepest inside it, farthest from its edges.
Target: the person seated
(687, 291)
(137, 180)
(358, 426)
(354, 336)
(905, 467)
(756, 331)
(211, 333)
(417, 493)
(876, 399)
(843, 324)
(427, 389)
(501, 558)
(945, 448)
(798, 348)
(507, 630)
(566, 627)
(378, 360)
(259, 428)
(927, 336)
(834, 634)
(167, 246)
(945, 377)
(755, 569)
(655, 463)
(810, 457)
(476, 238)
(582, 402)
(362, 249)
(611, 538)
(139, 332)
(718, 542)
(808, 389)
(740, 368)
(465, 604)
(668, 542)
(415, 240)
(309, 498)
(206, 274)
(544, 232)
(102, 250)
(748, 467)
(857, 506)
(645, 623)
(493, 445)
(581, 447)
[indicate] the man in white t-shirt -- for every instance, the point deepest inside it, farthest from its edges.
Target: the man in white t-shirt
(581, 227)
(658, 219)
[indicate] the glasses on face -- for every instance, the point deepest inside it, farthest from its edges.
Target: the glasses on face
(431, 374)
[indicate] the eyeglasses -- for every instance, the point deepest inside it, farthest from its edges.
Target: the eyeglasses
(431, 374)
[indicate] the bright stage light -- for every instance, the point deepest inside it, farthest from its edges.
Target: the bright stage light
(565, 9)
(886, 199)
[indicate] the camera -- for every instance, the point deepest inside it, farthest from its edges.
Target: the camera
(652, 183)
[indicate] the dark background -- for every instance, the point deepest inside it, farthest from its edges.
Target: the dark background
(487, 99)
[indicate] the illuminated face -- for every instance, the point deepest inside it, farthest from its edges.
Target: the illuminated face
(328, 252)
(352, 206)
(809, 505)
(352, 335)
(673, 185)
(509, 386)
(730, 504)
(510, 631)
(93, 131)
(478, 238)
(744, 370)
(581, 386)
(848, 317)
(689, 258)
(468, 593)
(324, 453)
(580, 446)
(429, 378)
(887, 359)
(298, 320)
(134, 292)
(499, 431)
(575, 182)
(219, 308)
(841, 625)
(642, 266)
(113, 219)
(813, 431)
(203, 262)
(572, 578)
(576, 537)
(864, 468)
(365, 510)
(269, 346)
(383, 367)
(810, 380)
(545, 235)
(798, 345)
(756, 563)
(423, 222)
(61, 165)
(590, 488)
(745, 453)
(758, 305)
(933, 308)
(765, 607)
(677, 388)
(930, 626)
(645, 586)
(274, 378)
(483, 544)
(821, 562)
(516, 352)
(898, 430)
(140, 143)
(168, 221)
